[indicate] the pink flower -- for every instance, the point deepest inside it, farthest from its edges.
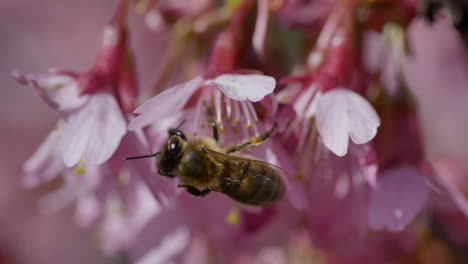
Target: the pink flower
(88, 145)
(339, 115)
(59, 89)
(91, 126)
(441, 93)
(211, 228)
(346, 135)
(90, 105)
(339, 186)
(342, 115)
(230, 96)
(114, 195)
(384, 55)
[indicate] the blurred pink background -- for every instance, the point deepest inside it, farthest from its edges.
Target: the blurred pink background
(36, 35)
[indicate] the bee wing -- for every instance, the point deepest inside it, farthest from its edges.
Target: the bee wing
(231, 159)
(249, 181)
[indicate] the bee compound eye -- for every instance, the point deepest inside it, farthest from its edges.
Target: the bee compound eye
(174, 144)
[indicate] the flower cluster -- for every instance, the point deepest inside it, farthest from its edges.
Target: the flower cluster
(338, 87)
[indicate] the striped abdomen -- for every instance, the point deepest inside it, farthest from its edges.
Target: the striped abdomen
(252, 182)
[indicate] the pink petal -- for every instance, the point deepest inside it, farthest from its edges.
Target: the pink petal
(122, 226)
(258, 39)
(165, 104)
(87, 211)
(328, 206)
(171, 245)
(242, 87)
(341, 112)
(197, 252)
(94, 132)
(373, 48)
(284, 116)
(437, 73)
(399, 196)
(44, 164)
(295, 190)
(452, 177)
(304, 12)
(390, 74)
(132, 144)
(59, 90)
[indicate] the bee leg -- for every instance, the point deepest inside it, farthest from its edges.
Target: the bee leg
(209, 113)
(205, 192)
(194, 191)
(253, 141)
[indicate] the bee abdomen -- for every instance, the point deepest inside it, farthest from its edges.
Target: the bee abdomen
(262, 187)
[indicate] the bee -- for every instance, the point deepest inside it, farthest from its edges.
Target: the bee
(203, 166)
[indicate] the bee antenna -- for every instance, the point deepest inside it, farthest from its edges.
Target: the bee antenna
(181, 123)
(141, 157)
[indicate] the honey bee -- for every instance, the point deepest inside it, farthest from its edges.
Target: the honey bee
(203, 166)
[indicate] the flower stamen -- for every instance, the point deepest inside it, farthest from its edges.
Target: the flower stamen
(227, 101)
(252, 110)
(218, 109)
(236, 112)
(248, 116)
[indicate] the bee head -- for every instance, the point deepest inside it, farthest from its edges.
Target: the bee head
(171, 152)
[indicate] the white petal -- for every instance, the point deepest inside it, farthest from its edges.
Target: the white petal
(342, 112)
(44, 164)
(94, 132)
(62, 90)
(109, 129)
(332, 123)
(59, 90)
(165, 104)
(75, 133)
(364, 121)
(242, 87)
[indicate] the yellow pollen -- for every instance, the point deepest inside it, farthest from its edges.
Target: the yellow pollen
(248, 125)
(124, 178)
(233, 217)
(299, 177)
(255, 140)
(232, 4)
(80, 168)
